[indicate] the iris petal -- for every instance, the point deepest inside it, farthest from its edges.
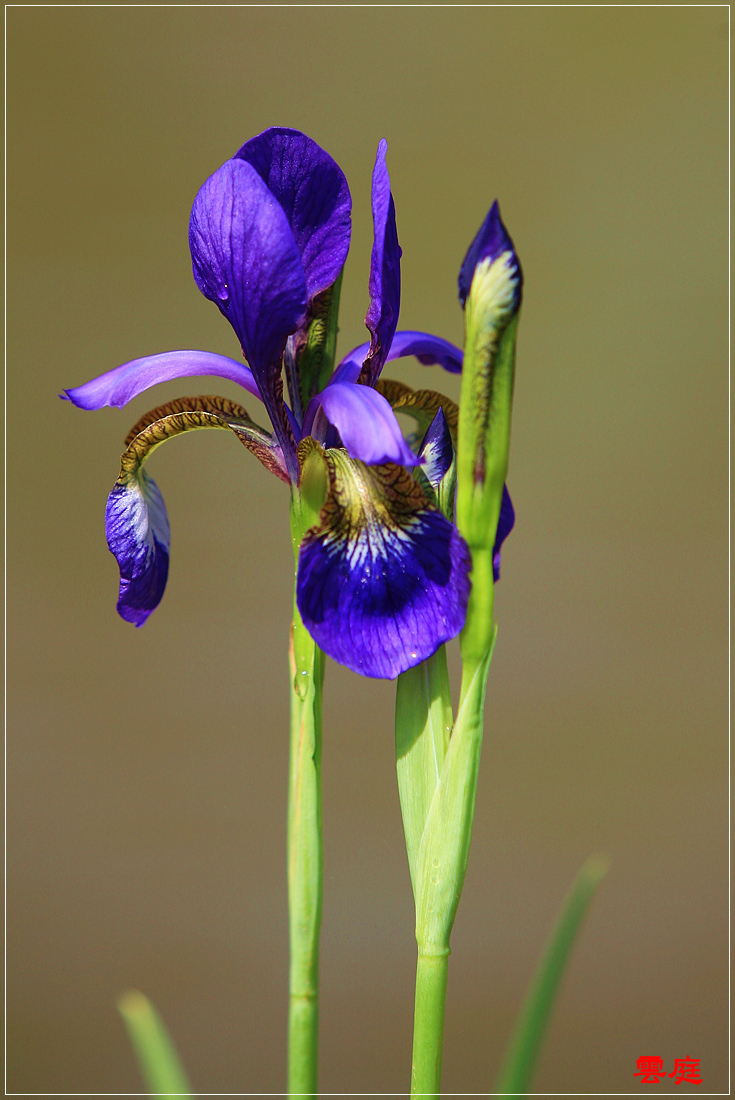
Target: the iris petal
(365, 421)
(312, 190)
(245, 260)
(385, 272)
(138, 535)
(135, 518)
(122, 384)
(506, 522)
(205, 411)
(428, 350)
(383, 579)
(420, 405)
(436, 450)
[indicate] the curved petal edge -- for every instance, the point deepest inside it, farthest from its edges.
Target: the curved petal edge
(365, 421)
(119, 386)
(428, 349)
(506, 522)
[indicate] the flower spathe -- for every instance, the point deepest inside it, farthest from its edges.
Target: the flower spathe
(383, 577)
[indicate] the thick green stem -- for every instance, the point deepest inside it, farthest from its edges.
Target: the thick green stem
(428, 1026)
(441, 861)
(304, 832)
(304, 859)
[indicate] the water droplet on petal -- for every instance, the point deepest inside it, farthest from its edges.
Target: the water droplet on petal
(223, 292)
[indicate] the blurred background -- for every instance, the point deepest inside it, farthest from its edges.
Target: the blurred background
(147, 769)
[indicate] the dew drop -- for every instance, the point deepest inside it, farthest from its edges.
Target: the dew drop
(223, 292)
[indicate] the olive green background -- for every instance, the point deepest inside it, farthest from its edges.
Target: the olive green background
(147, 769)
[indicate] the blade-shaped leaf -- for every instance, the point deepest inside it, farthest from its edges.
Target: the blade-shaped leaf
(528, 1036)
(423, 725)
(159, 1062)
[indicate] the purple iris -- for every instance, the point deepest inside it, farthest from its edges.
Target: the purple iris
(383, 579)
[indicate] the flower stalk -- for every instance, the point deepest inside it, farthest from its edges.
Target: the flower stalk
(305, 862)
(438, 805)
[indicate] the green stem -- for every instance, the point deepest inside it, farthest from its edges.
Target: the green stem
(304, 858)
(439, 872)
(528, 1036)
(304, 839)
(428, 1024)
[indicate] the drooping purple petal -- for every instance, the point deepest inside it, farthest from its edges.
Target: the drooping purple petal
(436, 451)
(122, 384)
(383, 581)
(506, 521)
(385, 272)
(428, 350)
(245, 260)
(365, 421)
(313, 191)
(491, 241)
(138, 535)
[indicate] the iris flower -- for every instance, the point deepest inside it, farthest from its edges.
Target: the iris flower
(383, 576)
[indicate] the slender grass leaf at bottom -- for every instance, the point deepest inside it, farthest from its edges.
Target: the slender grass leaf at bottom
(157, 1057)
(527, 1039)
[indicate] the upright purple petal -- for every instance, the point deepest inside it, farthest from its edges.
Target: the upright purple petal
(383, 579)
(506, 522)
(138, 535)
(492, 240)
(118, 386)
(428, 350)
(385, 272)
(436, 451)
(313, 192)
(246, 261)
(365, 421)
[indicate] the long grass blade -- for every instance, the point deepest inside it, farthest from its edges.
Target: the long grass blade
(527, 1039)
(157, 1057)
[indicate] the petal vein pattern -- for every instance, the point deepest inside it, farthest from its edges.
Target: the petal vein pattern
(383, 579)
(313, 193)
(245, 260)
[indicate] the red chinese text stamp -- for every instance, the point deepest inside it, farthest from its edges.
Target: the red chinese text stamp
(651, 1071)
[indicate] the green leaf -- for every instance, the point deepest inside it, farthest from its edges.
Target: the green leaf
(527, 1039)
(423, 725)
(445, 844)
(159, 1063)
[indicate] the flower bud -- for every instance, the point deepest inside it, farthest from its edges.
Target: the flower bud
(490, 284)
